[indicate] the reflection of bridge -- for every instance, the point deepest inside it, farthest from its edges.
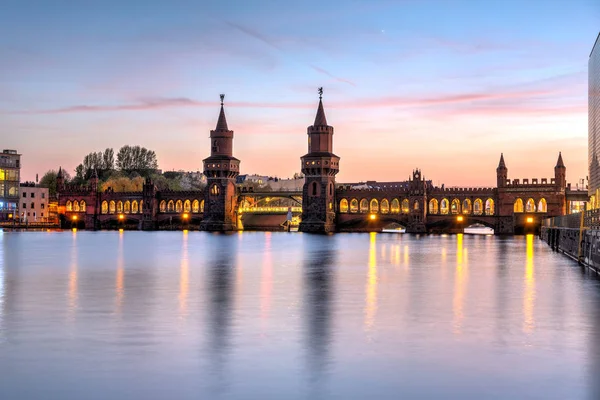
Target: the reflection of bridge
(323, 205)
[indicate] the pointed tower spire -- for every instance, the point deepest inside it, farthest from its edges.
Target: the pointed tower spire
(501, 163)
(222, 122)
(320, 119)
(559, 162)
(60, 173)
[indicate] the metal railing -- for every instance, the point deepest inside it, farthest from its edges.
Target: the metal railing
(591, 219)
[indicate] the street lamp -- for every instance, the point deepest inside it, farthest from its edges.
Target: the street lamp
(460, 218)
(74, 217)
(372, 217)
(529, 220)
(121, 217)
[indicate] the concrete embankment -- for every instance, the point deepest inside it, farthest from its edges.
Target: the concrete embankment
(581, 245)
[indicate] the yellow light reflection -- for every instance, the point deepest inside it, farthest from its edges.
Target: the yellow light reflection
(371, 295)
(406, 256)
(120, 278)
(2, 288)
(460, 278)
(73, 294)
(529, 294)
(397, 254)
(184, 276)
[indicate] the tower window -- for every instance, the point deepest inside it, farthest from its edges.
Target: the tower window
(214, 190)
(314, 188)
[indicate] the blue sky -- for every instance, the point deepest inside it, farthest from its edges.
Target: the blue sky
(440, 85)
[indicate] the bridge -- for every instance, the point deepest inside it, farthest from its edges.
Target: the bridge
(323, 205)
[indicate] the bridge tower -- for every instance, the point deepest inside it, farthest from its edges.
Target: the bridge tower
(319, 167)
(560, 179)
(417, 199)
(221, 170)
(149, 208)
(501, 172)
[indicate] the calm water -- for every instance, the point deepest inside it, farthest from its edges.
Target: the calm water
(179, 315)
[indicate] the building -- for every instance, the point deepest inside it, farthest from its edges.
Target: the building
(10, 176)
(34, 203)
(594, 124)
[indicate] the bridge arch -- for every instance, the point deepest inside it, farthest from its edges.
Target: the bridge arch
(433, 206)
(187, 206)
(354, 206)
(518, 205)
(467, 206)
(163, 206)
(455, 206)
(195, 206)
(530, 205)
(69, 205)
(489, 207)
(395, 206)
(478, 207)
(384, 207)
(364, 206)
(405, 206)
(171, 206)
(542, 205)
(119, 206)
(127, 207)
(104, 207)
(445, 206)
(343, 205)
(134, 207)
(374, 206)
(112, 207)
(178, 206)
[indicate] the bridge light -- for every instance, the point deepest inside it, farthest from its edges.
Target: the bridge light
(74, 217)
(529, 220)
(372, 216)
(460, 218)
(121, 217)
(185, 215)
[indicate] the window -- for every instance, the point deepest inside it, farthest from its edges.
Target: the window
(69, 205)
(42, 206)
(104, 207)
(314, 189)
(41, 214)
(444, 206)
(32, 195)
(24, 205)
(344, 206)
(433, 206)
(214, 190)
(384, 207)
(354, 206)
(364, 205)
(395, 207)
(24, 194)
(43, 195)
(374, 206)
(518, 206)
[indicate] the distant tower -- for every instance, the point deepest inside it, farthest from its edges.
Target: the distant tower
(60, 181)
(560, 173)
(149, 207)
(221, 169)
(319, 167)
(94, 182)
(501, 172)
(417, 200)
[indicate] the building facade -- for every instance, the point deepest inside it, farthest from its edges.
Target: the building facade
(594, 124)
(10, 176)
(34, 203)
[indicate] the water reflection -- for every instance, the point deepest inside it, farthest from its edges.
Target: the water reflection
(120, 278)
(266, 282)
(184, 276)
(2, 286)
(460, 278)
(529, 295)
(319, 287)
(73, 285)
(371, 290)
(220, 295)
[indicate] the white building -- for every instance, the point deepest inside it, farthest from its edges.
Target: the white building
(34, 203)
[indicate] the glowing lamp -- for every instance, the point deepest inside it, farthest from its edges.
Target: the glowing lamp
(9, 215)
(185, 215)
(529, 220)
(372, 216)
(460, 218)
(74, 217)
(121, 217)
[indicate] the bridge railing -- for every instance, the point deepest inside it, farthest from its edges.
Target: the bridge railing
(269, 209)
(591, 219)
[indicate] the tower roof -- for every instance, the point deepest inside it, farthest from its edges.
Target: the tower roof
(320, 119)
(222, 122)
(559, 162)
(501, 164)
(60, 173)
(95, 174)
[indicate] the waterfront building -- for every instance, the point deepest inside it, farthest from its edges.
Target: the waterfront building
(10, 167)
(34, 202)
(594, 124)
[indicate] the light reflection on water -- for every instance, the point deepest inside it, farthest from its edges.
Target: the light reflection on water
(191, 315)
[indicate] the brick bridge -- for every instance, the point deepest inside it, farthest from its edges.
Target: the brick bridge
(323, 206)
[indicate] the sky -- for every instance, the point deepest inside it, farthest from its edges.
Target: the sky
(444, 86)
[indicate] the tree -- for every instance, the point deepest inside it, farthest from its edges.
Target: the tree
(124, 184)
(136, 158)
(49, 181)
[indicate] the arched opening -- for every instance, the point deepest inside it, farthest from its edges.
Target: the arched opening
(170, 206)
(69, 205)
(364, 206)
(82, 206)
(405, 206)
(163, 206)
(331, 189)
(141, 208)
(444, 206)
(466, 206)
(343, 206)
(530, 206)
(76, 206)
(384, 207)
(416, 205)
(104, 207)
(195, 206)
(187, 206)
(395, 206)
(179, 206)
(489, 207)
(455, 206)
(119, 206)
(127, 207)
(433, 206)
(353, 206)
(478, 207)
(314, 189)
(518, 206)
(134, 207)
(542, 205)
(374, 206)
(202, 206)
(215, 190)
(112, 207)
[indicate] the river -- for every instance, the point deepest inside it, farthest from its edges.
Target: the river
(192, 315)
